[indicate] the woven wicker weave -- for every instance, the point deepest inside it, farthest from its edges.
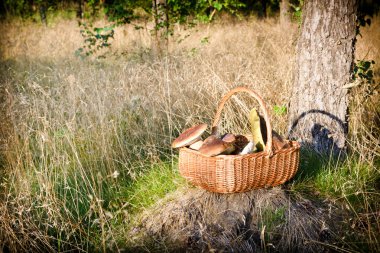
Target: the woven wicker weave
(239, 173)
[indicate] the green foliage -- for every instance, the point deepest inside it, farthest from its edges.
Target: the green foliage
(205, 9)
(120, 12)
(297, 11)
(28, 8)
(363, 70)
(178, 11)
(280, 110)
(95, 39)
(20, 8)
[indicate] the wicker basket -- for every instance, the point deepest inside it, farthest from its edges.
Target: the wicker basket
(239, 173)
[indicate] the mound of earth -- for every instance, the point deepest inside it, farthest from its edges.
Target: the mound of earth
(265, 220)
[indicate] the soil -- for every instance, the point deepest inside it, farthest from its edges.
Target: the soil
(265, 220)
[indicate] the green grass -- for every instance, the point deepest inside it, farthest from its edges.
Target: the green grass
(117, 204)
(135, 196)
(353, 187)
(157, 181)
(348, 178)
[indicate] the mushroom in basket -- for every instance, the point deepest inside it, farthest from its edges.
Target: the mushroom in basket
(278, 142)
(213, 145)
(258, 130)
(190, 137)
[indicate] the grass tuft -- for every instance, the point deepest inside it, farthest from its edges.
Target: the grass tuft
(158, 181)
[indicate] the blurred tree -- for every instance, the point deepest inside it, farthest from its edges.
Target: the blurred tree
(21, 8)
(119, 11)
(42, 9)
(263, 8)
(80, 9)
(161, 25)
(284, 12)
(178, 10)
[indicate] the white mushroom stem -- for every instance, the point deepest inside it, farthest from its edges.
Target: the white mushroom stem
(196, 145)
(249, 148)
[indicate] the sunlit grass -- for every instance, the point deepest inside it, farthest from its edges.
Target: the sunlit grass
(152, 186)
(334, 178)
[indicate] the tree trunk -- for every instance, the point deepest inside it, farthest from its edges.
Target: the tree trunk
(284, 12)
(42, 10)
(161, 28)
(319, 104)
(263, 8)
(80, 9)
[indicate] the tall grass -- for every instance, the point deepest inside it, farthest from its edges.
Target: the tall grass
(86, 143)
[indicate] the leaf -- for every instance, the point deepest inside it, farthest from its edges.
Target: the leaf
(366, 65)
(280, 110)
(217, 6)
(370, 74)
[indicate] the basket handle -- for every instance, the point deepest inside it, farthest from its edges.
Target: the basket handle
(268, 146)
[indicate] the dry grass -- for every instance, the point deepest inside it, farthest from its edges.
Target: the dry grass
(75, 133)
(256, 221)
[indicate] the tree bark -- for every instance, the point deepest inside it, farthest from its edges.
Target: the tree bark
(42, 10)
(263, 8)
(80, 9)
(284, 12)
(161, 28)
(319, 104)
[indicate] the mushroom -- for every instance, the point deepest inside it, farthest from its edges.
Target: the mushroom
(278, 142)
(249, 148)
(229, 138)
(257, 137)
(213, 146)
(189, 136)
(210, 139)
(196, 145)
(240, 142)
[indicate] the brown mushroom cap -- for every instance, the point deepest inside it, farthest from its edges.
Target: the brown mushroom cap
(214, 146)
(189, 136)
(240, 142)
(278, 142)
(210, 139)
(229, 138)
